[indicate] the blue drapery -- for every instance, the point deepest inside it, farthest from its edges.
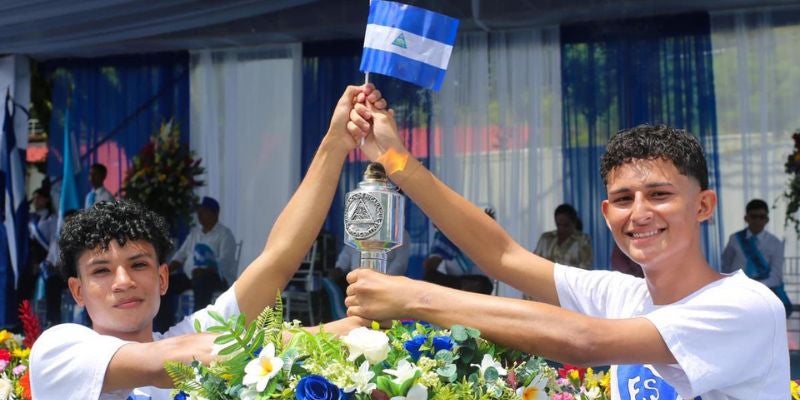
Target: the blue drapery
(327, 69)
(115, 104)
(620, 74)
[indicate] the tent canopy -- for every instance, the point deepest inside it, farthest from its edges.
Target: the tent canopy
(47, 29)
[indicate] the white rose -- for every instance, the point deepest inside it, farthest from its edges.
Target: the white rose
(374, 345)
(5, 389)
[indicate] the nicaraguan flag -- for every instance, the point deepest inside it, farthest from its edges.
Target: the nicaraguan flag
(14, 204)
(408, 43)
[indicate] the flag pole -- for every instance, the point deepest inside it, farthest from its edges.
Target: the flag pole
(366, 81)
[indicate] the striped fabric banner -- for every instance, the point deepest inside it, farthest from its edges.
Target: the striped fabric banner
(408, 43)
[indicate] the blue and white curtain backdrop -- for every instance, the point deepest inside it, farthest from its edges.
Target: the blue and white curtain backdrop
(619, 74)
(756, 54)
(497, 129)
(245, 125)
(115, 105)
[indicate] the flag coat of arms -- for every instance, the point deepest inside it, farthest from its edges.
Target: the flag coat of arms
(408, 43)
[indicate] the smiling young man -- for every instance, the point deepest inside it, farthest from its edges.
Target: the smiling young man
(684, 331)
(114, 256)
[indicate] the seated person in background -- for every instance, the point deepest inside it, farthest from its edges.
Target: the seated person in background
(208, 255)
(566, 245)
(115, 257)
(622, 263)
(757, 252)
(684, 332)
(448, 266)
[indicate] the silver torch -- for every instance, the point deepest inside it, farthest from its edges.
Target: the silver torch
(374, 218)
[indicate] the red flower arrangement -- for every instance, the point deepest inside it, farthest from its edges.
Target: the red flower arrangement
(164, 175)
(792, 193)
(15, 381)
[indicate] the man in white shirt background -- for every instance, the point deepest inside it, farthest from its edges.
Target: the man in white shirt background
(207, 255)
(97, 175)
(757, 252)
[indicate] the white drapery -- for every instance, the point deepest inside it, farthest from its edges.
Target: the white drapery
(756, 79)
(245, 125)
(497, 129)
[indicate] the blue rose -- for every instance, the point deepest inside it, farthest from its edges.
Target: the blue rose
(181, 396)
(442, 343)
(412, 346)
(315, 387)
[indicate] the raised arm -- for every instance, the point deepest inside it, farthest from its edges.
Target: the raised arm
(299, 223)
(478, 235)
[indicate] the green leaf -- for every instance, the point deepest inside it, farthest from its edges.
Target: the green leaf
(473, 333)
(458, 333)
(466, 354)
(385, 384)
(403, 389)
(230, 349)
(448, 372)
(249, 334)
(222, 339)
(218, 329)
(491, 374)
(445, 356)
(197, 327)
(240, 325)
(217, 317)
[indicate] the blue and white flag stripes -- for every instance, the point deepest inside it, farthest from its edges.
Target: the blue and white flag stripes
(15, 206)
(68, 200)
(408, 43)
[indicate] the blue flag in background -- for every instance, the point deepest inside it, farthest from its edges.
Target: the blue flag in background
(69, 189)
(14, 204)
(408, 43)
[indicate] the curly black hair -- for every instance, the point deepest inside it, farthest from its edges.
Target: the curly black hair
(650, 142)
(118, 220)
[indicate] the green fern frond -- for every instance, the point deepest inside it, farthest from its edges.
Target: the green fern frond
(178, 371)
(182, 376)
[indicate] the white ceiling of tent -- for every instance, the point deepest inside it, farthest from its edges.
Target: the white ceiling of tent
(86, 28)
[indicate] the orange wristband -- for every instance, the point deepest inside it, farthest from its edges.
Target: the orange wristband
(393, 161)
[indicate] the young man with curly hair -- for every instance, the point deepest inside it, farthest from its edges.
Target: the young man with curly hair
(114, 256)
(684, 331)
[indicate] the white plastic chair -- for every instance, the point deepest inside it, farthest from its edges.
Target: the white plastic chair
(298, 295)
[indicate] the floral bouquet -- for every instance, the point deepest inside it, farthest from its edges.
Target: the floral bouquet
(14, 353)
(412, 360)
(792, 193)
(164, 175)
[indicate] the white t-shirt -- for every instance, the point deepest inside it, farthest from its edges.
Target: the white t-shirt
(729, 337)
(217, 247)
(69, 361)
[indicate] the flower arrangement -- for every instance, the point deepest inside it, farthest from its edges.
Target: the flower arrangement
(164, 175)
(14, 352)
(792, 193)
(409, 361)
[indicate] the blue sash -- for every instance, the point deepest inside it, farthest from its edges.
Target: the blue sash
(757, 267)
